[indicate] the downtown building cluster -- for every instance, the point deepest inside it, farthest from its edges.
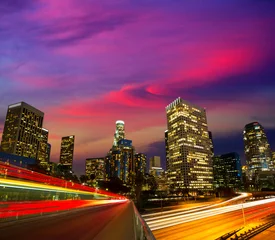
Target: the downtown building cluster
(192, 165)
(25, 141)
(121, 162)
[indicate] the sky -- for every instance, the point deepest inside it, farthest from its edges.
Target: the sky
(88, 63)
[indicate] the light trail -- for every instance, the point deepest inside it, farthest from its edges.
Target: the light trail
(9, 171)
(42, 187)
(175, 219)
(15, 209)
(194, 209)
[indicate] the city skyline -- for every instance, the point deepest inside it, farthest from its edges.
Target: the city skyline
(134, 62)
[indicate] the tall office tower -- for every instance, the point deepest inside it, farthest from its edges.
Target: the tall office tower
(140, 163)
(190, 163)
(227, 170)
(67, 151)
(154, 162)
(95, 168)
(257, 149)
(120, 162)
(42, 151)
(22, 130)
(120, 132)
(49, 147)
(166, 148)
(211, 143)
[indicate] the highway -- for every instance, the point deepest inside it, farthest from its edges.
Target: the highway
(211, 227)
(101, 222)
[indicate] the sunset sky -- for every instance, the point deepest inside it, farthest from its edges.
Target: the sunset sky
(88, 63)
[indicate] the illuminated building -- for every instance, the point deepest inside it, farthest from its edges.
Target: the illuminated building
(189, 162)
(166, 148)
(119, 133)
(15, 160)
(42, 151)
(95, 168)
(67, 151)
(120, 162)
(140, 163)
(156, 171)
(48, 152)
(211, 143)
(227, 170)
(257, 150)
(23, 130)
(154, 162)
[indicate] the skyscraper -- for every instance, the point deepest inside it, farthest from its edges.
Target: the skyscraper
(49, 147)
(23, 130)
(154, 162)
(211, 143)
(95, 168)
(43, 144)
(67, 151)
(189, 163)
(140, 163)
(227, 170)
(257, 149)
(119, 133)
(166, 148)
(120, 162)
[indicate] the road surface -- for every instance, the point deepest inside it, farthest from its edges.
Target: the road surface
(93, 223)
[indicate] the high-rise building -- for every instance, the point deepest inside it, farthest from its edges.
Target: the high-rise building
(211, 143)
(23, 130)
(154, 162)
(257, 149)
(140, 163)
(166, 148)
(49, 147)
(119, 133)
(227, 170)
(120, 162)
(95, 168)
(42, 151)
(67, 151)
(190, 163)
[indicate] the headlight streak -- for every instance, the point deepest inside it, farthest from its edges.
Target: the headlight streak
(9, 171)
(165, 221)
(193, 209)
(40, 187)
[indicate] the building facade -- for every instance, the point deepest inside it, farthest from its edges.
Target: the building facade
(43, 147)
(154, 162)
(18, 161)
(227, 171)
(119, 133)
(211, 143)
(95, 169)
(140, 160)
(23, 130)
(257, 150)
(67, 151)
(120, 162)
(190, 163)
(166, 148)
(48, 156)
